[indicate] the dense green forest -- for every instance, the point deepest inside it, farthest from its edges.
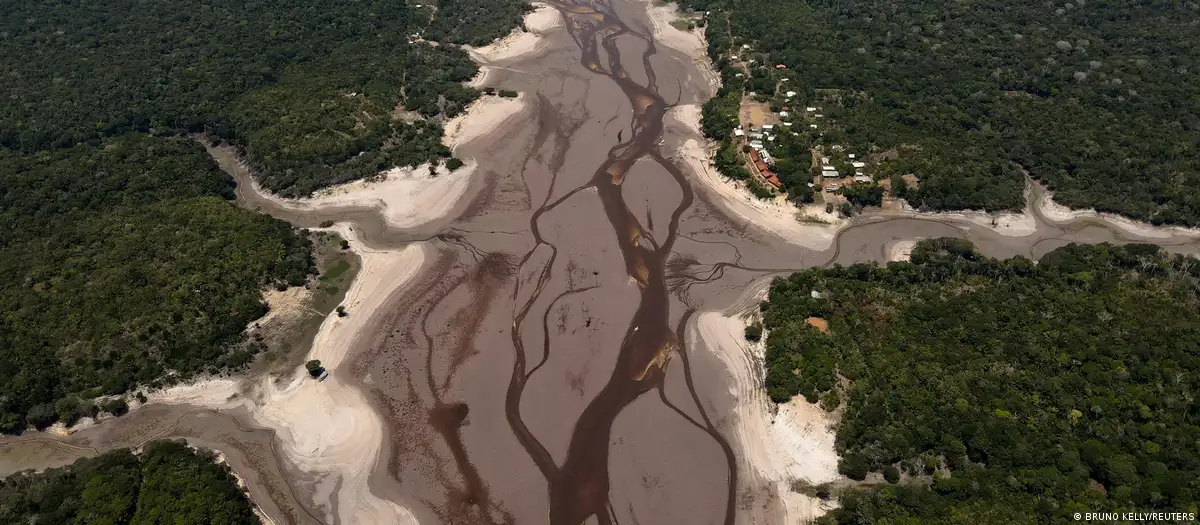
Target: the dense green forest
(126, 262)
(167, 484)
(1100, 100)
(308, 89)
(1007, 391)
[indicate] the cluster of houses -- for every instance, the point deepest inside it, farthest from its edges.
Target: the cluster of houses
(834, 181)
(759, 156)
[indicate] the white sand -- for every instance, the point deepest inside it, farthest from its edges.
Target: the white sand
(778, 216)
(691, 42)
(405, 197)
(797, 443)
(1056, 212)
(284, 306)
(809, 226)
(329, 427)
(1007, 224)
(518, 44)
(482, 116)
(901, 250)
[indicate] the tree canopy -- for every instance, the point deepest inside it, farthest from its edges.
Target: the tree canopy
(125, 261)
(168, 483)
(1100, 100)
(1009, 391)
(310, 90)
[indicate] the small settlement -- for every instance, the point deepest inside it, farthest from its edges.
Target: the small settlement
(787, 137)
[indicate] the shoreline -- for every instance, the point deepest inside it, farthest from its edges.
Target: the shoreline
(484, 115)
(330, 428)
(777, 444)
(778, 216)
(326, 428)
(1057, 214)
(520, 43)
(900, 250)
(1008, 224)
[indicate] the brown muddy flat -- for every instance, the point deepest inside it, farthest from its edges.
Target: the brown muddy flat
(537, 371)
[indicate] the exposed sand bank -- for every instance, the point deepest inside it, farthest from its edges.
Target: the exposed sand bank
(284, 306)
(796, 442)
(405, 197)
(326, 428)
(777, 216)
(484, 115)
(1055, 212)
(221, 459)
(900, 250)
(691, 42)
(518, 44)
(1006, 224)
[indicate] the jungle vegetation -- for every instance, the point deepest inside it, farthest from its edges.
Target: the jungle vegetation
(1005, 391)
(1099, 100)
(125, 261)
(316, 93)
(167, 483)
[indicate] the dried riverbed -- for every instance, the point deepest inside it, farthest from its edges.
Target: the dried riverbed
(549, 333)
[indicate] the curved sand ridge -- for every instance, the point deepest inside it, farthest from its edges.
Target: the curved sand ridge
(901, 250)
(327, 428)
(775, 449)
(405, 197)
(518, 44)
(1055, 212)
(483, 115)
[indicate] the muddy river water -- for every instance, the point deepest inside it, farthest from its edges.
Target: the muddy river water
(542, 365)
